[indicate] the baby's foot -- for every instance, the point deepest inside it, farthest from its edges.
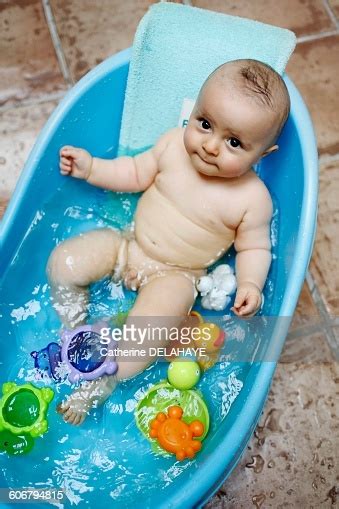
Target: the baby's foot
(90, 395)
(75, 408)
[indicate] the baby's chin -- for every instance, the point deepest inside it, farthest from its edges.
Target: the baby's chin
(213, 171)
(204, 168)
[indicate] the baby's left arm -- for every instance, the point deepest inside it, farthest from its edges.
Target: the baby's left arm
(253, 246)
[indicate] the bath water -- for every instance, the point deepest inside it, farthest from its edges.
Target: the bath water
(107, 456)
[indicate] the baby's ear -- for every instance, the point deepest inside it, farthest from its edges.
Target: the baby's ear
(270, 150)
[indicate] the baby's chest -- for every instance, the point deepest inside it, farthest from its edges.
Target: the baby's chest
(210, 205)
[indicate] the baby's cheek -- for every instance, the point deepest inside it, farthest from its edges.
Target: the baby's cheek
(190, 140)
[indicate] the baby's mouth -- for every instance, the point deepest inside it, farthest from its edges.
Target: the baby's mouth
(209, 163)
(203, 159)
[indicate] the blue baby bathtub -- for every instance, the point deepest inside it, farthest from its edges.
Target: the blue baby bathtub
(46, 208)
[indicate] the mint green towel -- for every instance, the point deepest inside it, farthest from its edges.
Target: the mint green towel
(175, 48)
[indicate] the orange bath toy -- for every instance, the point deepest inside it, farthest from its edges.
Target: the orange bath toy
(174, 435)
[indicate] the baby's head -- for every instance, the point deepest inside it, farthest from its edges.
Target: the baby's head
(239, 114)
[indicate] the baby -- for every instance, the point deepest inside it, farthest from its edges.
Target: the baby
(201, 195)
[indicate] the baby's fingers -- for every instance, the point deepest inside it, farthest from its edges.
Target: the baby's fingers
(246, 304)
(65, 166)
(69, 151)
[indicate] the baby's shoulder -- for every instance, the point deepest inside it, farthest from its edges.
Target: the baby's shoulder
(174, 135)
(259, 198)
(257, 187)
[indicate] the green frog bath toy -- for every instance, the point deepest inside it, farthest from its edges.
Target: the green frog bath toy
(15, 445)
(23, 410)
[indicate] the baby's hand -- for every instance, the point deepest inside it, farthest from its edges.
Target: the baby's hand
(76, 162)
(247, 300)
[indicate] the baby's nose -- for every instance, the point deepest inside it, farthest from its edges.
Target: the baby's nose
(211, 146)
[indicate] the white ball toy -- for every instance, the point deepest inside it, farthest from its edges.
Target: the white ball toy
(204, 285)
(222, 270)
(216, 287)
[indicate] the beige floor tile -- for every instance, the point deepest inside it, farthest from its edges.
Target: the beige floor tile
(324, 263)
(92, 31)
(19, 128)
(28, 64)
(314, 69)
(291, 461)
(334, 4)
(302, 16)
(312, 349)
(306, 311)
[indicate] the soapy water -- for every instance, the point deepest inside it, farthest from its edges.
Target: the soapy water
(103, 456)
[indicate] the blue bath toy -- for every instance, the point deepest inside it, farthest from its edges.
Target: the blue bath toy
(48, 359)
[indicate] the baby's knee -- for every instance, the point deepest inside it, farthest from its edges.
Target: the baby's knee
(82, 260)
(130, 368)
(63, 267)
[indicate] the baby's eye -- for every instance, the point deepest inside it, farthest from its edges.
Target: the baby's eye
(234, 142)
(204, 123)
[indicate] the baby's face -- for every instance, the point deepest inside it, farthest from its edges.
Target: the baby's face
(228, 132)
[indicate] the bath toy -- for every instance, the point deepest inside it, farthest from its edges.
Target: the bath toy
(87, 354)
(23, 409)
(183, 374)
(211, 340)
(48, 360)
(120, 318)
(15, 445)
(174, 435)
(207, 337)
(216, 287)
(159, 398)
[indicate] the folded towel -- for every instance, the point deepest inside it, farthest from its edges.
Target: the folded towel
(175, 48)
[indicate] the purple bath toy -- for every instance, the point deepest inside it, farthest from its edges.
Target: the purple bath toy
(86, 355)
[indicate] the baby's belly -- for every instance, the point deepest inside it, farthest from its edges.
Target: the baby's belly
(165, 234)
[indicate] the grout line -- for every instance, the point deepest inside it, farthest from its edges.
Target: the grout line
(328, 158)
(56, 42)
(45, 98)
(316, 37)
(187, 2)
(327, 322)
(331, 13)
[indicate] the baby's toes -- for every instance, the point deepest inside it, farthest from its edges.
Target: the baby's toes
(78, 419)
(62, 407)
(73, 417)
(69, 415)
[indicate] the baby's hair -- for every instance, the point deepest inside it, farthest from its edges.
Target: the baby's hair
(261, 82)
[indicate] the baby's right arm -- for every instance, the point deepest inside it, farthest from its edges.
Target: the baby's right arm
(127, 174)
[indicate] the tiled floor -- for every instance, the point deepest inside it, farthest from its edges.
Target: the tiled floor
(290, 461)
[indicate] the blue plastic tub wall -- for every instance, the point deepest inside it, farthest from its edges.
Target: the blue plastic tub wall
(90, 117)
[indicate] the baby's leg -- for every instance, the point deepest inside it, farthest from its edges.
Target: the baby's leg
(163, 302)
(75, 264)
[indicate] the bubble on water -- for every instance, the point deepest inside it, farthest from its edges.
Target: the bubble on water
(118, 491)
(130, 405)
(101, 460)
(230, 390)
(31, 308)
